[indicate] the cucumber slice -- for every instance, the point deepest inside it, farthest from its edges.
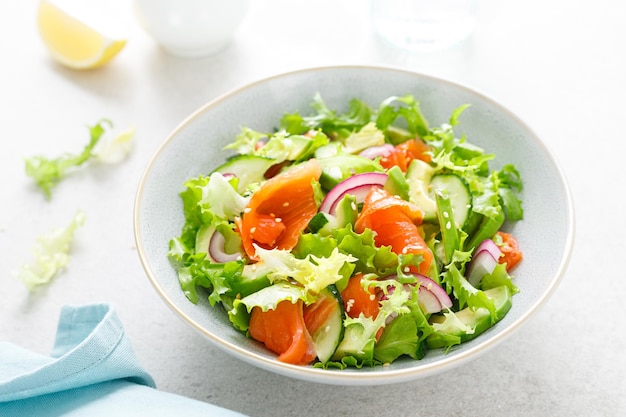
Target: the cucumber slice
(479, 320)
(327, 335)
(340, 167)
(357, 342)
(424, 182)
(249, 169)
(459, 194)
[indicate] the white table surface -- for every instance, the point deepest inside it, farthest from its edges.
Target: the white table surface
(560, 65)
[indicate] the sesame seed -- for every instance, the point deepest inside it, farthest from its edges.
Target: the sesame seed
(327, 329)
(448, 225)
(278, 220)
(446, 214)
(252, 230)
(349, 304)
(286, 204)
(353, 206)
(247, 210)
(372, 297)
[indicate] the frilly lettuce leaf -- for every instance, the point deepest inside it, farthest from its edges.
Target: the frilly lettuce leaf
(497, 278)
(368, 135)
(208, 200)
(269, 297)
(313, 273)
(221, 199)
(381, 261)
(370, 258)
(51, 252)
(406, 108)
(280, 146)
(399, 338)
(246, 141)
(340, 124)
(451, 324)
(112, 149)
(266, 298)
(466, 293)
(48, 172)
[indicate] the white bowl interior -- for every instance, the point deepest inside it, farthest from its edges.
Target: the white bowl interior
(545, 235)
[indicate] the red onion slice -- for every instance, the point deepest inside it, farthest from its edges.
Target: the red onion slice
(217, 252)
(358, 185)
(428, 301)
(431, 286)
(432, 297)
(374, 152)
(482, 263)
(489, 246)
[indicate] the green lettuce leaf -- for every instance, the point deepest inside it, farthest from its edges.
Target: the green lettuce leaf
(313, 273)
(399, 338)
(466, 293)
(51, 253)
(369, 135)
(269, 297)
(402, 108)
(245, 142)
(499, 277)
(48, 172)
(221, 199)
(338, 125)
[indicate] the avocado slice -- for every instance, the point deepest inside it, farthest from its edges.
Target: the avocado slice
(478, 320)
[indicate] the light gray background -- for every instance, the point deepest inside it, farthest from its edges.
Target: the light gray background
(559, 66)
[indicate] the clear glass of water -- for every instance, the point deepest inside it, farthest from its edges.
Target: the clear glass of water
(422, 25)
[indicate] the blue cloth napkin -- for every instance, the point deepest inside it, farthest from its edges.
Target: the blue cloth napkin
(91, 371)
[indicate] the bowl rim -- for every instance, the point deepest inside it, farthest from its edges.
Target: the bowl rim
(378, 375)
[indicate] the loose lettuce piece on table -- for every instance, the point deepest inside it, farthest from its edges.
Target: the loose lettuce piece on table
(52, 253)
(48, 172)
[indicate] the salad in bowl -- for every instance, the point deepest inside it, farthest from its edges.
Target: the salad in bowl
(350, 239)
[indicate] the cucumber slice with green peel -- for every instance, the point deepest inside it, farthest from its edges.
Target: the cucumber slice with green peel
(356, 342)
(459, 194)
(340, 167)
(328, 333)
(253, 278)
(468, 323)
(249, 169)
(424, 182)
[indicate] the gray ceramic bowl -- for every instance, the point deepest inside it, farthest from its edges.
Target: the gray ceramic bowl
(194, 147)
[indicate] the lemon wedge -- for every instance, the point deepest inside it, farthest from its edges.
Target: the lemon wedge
(77, 35)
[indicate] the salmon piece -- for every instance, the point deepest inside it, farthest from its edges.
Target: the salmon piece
(280, 210)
